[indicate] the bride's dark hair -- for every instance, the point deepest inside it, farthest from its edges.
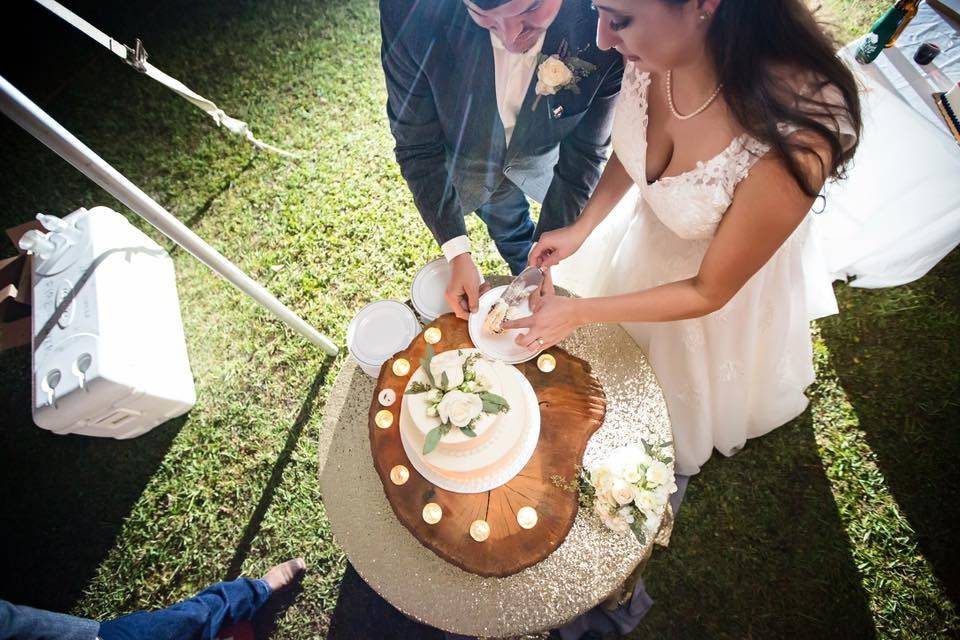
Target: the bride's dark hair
(774, 60)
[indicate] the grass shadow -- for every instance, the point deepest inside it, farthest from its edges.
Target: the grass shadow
(759, 551)
(897, 355)
(266, 497)
(64, 497)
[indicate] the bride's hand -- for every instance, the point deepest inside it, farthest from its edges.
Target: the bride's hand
(555, 246)
(556, 319)
(546, 289)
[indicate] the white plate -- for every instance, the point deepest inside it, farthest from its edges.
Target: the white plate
(501, 347)
(428, 289)
(380, 330)
(519, 455)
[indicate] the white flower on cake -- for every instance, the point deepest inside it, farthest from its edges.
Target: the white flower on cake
(629, 489)
(455, 394)
(459, 408)
(449, 364)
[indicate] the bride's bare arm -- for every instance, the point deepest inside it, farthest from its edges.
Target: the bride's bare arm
(767, 208)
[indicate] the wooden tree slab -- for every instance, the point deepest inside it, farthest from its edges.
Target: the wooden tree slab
(572, 408)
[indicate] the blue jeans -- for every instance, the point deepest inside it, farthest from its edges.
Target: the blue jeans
(27, 623)
(507, 216)
(199, 618)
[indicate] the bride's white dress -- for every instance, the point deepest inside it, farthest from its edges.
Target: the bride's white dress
(733, 374)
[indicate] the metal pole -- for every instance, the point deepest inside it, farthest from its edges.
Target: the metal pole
(35, 121)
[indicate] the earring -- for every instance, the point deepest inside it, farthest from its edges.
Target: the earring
(703, 16)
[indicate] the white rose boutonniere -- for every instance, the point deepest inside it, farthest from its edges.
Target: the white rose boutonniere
(552, 75)
(560, 71)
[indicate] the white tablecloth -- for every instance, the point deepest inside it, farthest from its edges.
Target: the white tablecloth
(898, 212)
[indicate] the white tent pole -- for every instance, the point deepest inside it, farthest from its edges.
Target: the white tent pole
(35, 121)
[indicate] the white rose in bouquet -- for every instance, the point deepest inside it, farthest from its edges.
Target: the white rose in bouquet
(658, 473)
(630, 488)
(646, 501)
(459, 408)
(632, 473)
(450, 363)
(552, 75)
(622, 492)
(610, 517)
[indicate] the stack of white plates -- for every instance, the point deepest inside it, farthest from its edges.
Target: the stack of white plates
(379, 331)
(428, 289)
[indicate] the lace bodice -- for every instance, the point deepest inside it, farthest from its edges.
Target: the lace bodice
(690, 204)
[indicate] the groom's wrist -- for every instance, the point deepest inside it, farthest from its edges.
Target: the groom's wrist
(455, 247)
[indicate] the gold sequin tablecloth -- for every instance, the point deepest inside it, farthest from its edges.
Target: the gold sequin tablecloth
(590, 565)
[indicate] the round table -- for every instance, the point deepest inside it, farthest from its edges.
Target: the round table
(592, 563)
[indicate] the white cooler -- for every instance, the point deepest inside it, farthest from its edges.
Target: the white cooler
(113, 361)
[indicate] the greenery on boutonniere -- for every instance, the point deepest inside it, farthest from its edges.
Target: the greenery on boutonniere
(459, 398)
(560, 71)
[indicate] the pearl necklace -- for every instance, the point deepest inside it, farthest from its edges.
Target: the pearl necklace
(703, 107)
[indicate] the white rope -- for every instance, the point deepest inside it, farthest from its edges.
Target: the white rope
(137, 58)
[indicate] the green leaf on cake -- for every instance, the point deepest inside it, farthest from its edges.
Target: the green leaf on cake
(425, 363)
(492, 403)
(417, 387)
(467, 431)
(444, 381)
(432, 439)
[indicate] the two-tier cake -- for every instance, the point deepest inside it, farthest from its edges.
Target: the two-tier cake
(468, 424)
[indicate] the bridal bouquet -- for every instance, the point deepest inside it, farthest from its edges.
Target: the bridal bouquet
(629, 489)
(458, 396)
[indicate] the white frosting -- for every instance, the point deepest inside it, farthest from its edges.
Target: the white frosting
(498, 438)
(418, 404)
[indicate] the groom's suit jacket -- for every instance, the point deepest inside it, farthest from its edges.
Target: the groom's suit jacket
(442, 107)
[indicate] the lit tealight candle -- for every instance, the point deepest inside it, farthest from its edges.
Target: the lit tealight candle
(401, 367)
(432, 335)
(527, 517)
(387, 397)
(399, 474)
(384, 419)
(479, 530)
(432, 512)
(546, 363)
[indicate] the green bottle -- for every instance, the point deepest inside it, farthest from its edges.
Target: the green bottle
(886, 30)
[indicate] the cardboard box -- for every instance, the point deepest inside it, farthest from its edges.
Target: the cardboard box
(15, 290)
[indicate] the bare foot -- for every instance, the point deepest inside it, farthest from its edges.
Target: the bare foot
(284, 573)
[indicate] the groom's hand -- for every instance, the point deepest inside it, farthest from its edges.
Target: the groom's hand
(463, 292)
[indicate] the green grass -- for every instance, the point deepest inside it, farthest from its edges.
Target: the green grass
(838, 525)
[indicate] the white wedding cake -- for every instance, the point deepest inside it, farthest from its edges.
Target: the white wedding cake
(468, 424)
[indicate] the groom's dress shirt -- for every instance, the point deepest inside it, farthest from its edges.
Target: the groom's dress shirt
(513, 71)
(450, 116)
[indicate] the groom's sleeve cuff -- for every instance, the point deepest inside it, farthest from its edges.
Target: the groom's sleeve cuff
(455, 247)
